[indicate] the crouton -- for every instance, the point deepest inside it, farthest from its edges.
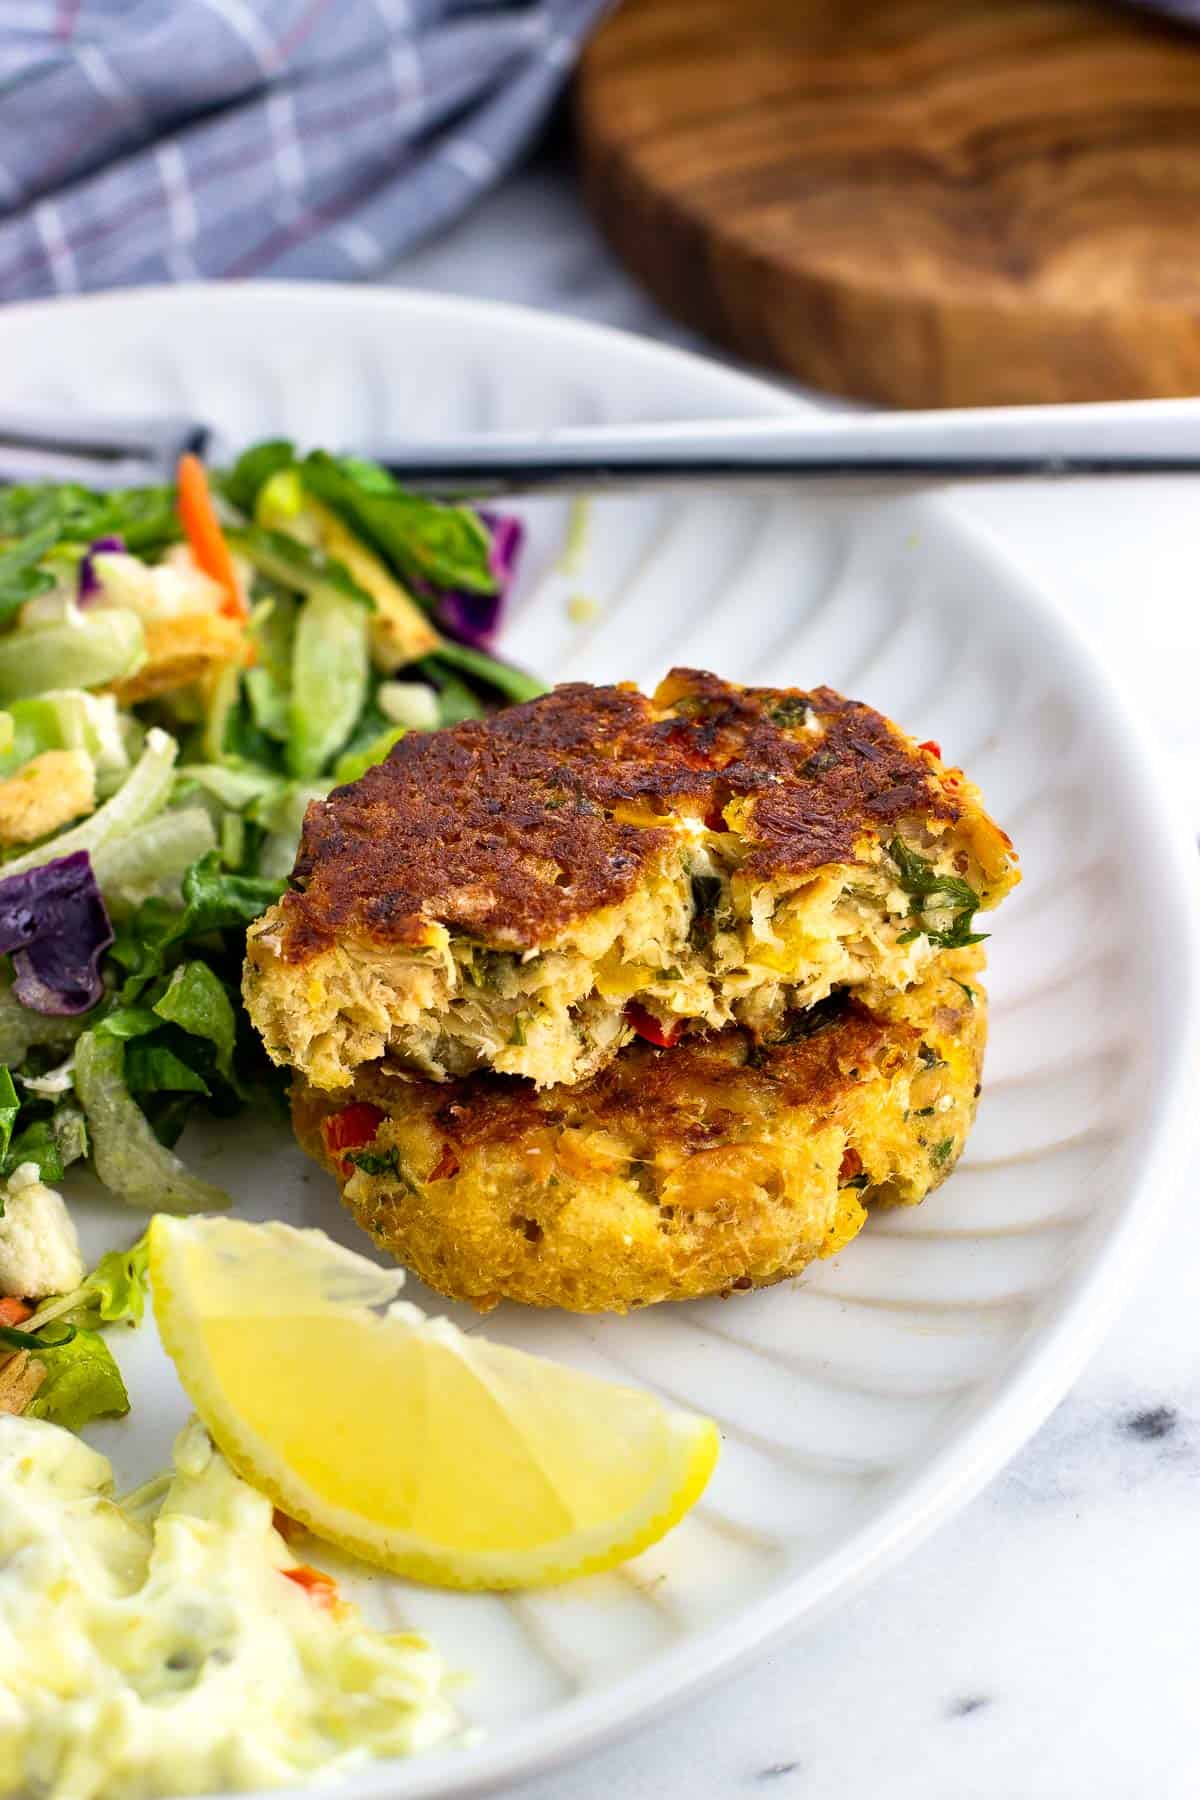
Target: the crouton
(182, 650)
(45, 794)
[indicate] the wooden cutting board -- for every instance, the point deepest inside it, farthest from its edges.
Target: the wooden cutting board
(923, 202)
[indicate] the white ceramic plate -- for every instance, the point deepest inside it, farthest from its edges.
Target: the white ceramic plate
(861, 1403)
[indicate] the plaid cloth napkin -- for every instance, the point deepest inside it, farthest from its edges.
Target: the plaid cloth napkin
(152, 140)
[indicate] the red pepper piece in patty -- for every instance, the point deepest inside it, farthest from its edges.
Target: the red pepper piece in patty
(652, 1029)
(446, 1166)
(350, 1129)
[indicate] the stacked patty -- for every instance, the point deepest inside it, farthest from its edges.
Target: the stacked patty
(615, 998)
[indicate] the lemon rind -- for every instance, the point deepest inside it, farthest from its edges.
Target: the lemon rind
(690, 1457)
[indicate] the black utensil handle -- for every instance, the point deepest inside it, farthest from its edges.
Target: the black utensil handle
(104, 438)
(480, 478)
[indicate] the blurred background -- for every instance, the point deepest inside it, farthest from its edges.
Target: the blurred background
(915, 202)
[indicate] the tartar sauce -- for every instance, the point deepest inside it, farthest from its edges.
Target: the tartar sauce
(177, 1656)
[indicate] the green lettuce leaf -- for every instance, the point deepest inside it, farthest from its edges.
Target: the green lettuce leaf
(425, 541)
(38, 1144)
(144, 517)
(154, 1069)
(235, 785)
(50, 1140)
(283, 820)
(128, 1158)
(295, 565)
(22, 1030)
(116, 1287)
(196, 1000)
(13, 1338)
(512, 684)
(330, 680)
(152, 858)
(128, 1022)
(213, 900)
(253, 469)
(456, 701)
(353, 763)
(82, 1382)
(20, 577)
(10, 1106)
(86, 651)
(216, 901)
(114, 1293)
(68, 1127)
(269, 683)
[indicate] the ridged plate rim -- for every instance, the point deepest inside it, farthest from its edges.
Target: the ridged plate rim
(1085, 1302)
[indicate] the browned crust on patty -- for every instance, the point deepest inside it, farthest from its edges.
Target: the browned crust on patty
(675, 1096)
(718, 1164)
(509, 829)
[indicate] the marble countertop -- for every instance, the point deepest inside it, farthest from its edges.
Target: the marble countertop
(1044, 1645)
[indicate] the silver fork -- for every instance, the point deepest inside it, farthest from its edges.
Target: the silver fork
(1124, 438)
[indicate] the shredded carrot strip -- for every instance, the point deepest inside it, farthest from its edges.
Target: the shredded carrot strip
(321, 1588)
(202, 528)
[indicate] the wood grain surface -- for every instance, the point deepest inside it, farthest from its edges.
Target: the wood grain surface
(923, 202)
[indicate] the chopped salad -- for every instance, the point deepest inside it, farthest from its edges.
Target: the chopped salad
(183, 669)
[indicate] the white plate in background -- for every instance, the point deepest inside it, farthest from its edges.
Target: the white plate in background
(862, 1402)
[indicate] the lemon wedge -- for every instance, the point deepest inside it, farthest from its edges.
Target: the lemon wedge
(435, 1454)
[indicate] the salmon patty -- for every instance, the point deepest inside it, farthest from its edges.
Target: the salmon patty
(722, 1163)
(522, 893)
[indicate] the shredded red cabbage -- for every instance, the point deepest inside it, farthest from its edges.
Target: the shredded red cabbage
(54, 925)
(474, 618)
(89, 584)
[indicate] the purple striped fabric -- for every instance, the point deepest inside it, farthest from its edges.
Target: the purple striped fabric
(158, 140)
